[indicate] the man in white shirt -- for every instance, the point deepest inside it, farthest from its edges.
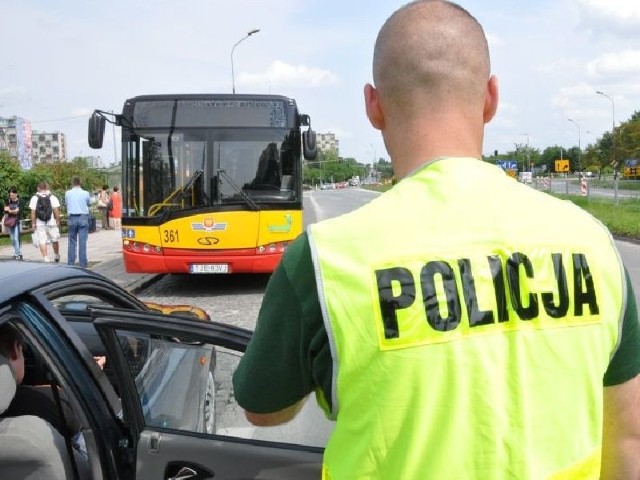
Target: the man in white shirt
(49, 229)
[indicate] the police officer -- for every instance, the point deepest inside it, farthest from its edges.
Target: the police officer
(446, 333)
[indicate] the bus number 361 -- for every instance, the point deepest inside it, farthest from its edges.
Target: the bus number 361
(171, 235)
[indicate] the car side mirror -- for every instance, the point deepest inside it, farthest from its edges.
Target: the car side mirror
(96, 130)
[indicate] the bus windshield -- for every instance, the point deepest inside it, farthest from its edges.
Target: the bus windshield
(180, 168)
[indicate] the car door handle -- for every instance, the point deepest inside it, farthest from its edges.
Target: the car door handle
(181, 471)
(184, 473)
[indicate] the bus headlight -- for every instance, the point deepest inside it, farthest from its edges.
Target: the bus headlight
(136, 247)
(271, 248)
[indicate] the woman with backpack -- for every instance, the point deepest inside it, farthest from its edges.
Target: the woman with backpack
(11, 221)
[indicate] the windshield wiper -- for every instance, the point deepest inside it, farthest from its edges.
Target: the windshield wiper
(223, 173)
(192, 180)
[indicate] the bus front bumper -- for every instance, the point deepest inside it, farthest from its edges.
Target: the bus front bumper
(138, 262)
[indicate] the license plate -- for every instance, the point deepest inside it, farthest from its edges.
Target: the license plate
(209, 268)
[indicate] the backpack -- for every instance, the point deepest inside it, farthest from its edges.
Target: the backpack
(43, 208)
(109, 205)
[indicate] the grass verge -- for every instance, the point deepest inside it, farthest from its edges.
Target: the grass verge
(622, 219)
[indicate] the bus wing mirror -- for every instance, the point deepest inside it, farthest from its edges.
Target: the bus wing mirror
(309, 144)
(305, 120)
(96, 130)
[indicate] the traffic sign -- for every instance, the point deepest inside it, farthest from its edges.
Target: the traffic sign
(508, 164)
(562, 165)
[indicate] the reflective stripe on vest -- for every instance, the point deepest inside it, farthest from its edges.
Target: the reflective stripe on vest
(471, 320)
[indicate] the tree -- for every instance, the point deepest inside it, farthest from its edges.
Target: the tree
(526, 156)
(551, 154)
(329, 167)
(384, 169)
(628, 139)
(311, 174)
(58, 175)
(11, 175)
(595, 160)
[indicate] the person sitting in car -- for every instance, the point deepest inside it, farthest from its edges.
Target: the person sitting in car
(30, 399)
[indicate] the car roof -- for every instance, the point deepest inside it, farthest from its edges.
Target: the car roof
(17, 277)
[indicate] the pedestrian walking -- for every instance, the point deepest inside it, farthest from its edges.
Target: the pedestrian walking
(45, 219)
(103, 203)
(11, 221)
(115, 214)
(77, 200)
(448, 335)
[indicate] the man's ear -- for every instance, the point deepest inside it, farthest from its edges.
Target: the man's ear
(373, 107)
(491, 99)
(16, 350)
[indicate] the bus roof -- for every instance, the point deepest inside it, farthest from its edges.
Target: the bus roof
(208, 110)
(210, 96)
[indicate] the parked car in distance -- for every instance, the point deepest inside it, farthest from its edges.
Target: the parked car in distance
(163, 406)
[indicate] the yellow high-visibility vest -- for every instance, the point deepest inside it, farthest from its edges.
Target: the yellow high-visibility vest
(471, 320)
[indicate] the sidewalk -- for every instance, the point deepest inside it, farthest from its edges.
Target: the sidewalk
(104, 251)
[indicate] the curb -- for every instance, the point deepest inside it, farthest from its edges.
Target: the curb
(626, 239)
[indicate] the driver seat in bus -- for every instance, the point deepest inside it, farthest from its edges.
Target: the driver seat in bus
(268, 168)
(29, 446)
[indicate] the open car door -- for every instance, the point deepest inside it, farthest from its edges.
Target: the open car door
(173, 375)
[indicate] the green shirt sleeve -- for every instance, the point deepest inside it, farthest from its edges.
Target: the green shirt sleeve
(625, 363)
(288, 355)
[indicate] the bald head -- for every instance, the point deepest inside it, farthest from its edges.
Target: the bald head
(431, 53)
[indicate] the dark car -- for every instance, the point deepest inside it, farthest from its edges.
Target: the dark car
(150, 412)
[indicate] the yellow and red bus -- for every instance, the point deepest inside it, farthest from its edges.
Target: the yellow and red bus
(211, 183)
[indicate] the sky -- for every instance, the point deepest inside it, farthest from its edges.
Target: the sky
(61, 59)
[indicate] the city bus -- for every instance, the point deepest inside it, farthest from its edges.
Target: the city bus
(211, 183)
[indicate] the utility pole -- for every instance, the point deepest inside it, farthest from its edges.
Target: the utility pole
(375, 160)
(614, 163)
(115, 146)
(528, 152)
(579, 146)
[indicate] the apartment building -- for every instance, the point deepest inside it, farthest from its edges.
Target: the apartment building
(29, 147)
(328, 142)
(48, 147)
(15, 138)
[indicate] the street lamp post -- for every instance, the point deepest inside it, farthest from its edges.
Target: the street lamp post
(613, 145)
(528, 152)
(375, 170)
(579, 145)
(233, 80)
(613, 133)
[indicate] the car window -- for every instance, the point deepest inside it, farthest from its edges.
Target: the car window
(79, 302)
(185, 385)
